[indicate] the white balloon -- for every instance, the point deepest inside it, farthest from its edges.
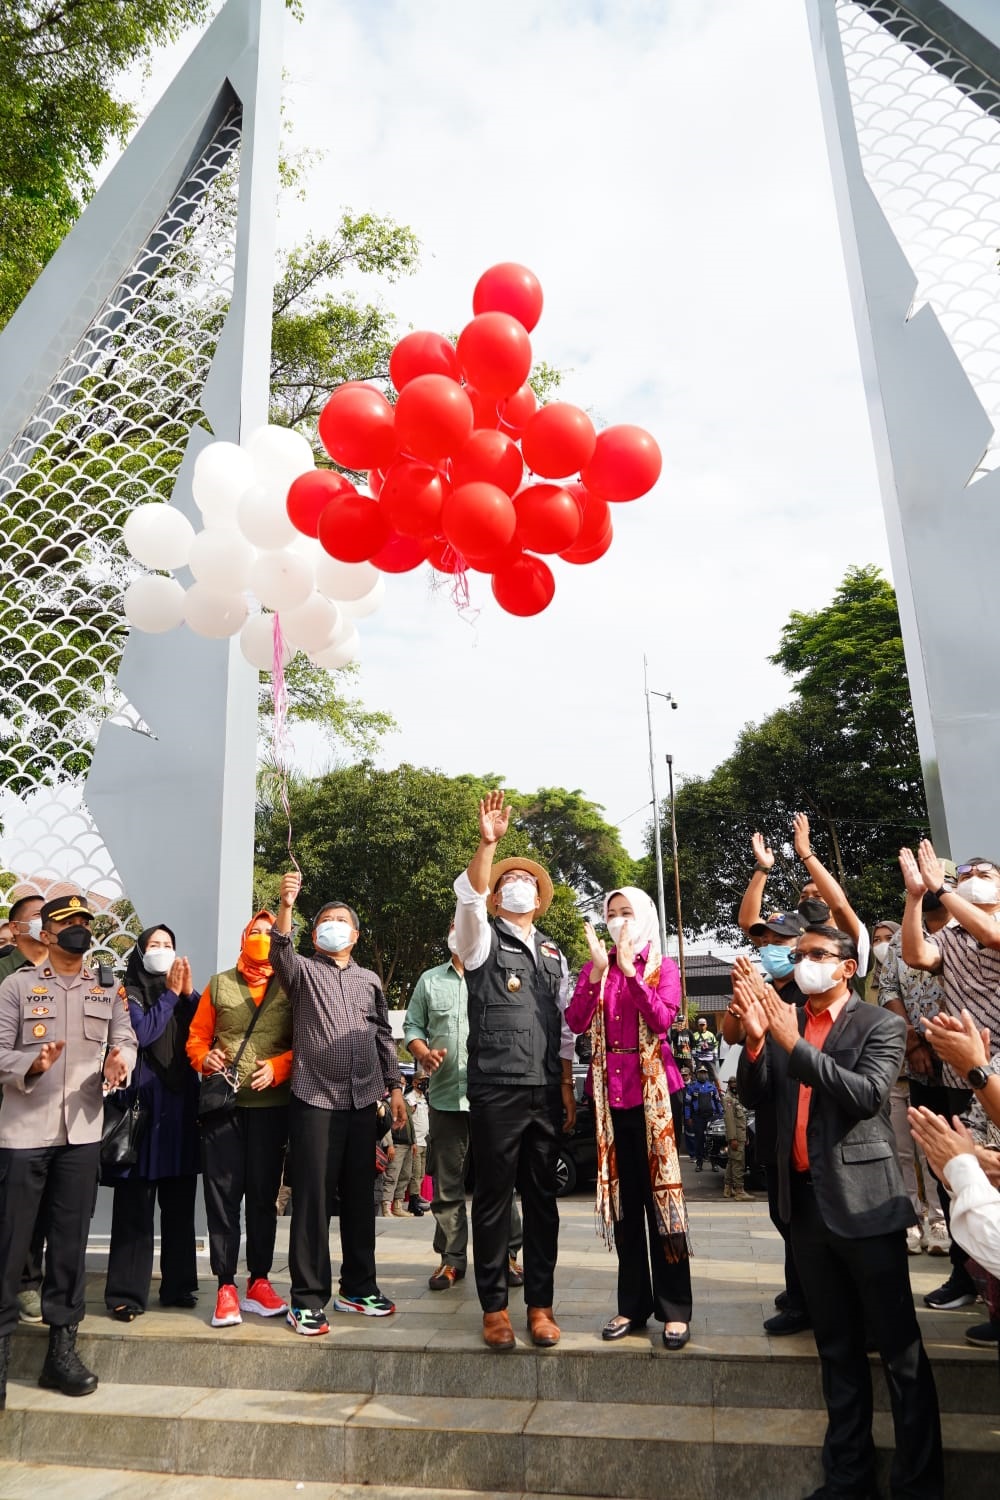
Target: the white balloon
(367, 604)
(338, 655)
(309, 547)
(159, 536)
(281, 580)
(220, 510)
(311, 626)
(154, 603)
(222, 471)
(340, 580)
(221, 558)
(262, 517)
(257, 643)
(210, 613)
(279, 454)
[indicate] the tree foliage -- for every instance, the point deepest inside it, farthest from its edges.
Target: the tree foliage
(391, 843)
(844, 751)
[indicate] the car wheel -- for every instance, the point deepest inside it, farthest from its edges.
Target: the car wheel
(565, 1174)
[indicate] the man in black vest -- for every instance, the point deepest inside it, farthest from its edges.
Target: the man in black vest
(520, 1075)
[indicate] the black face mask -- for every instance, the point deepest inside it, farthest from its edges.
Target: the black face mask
(930, 902)
(75, 940)
(814, 913)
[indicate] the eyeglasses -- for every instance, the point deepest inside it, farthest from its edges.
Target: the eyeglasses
(981, 868)
(819, 953)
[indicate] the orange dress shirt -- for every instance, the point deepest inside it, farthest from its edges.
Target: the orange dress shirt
(202, 1033)
(818, 1028)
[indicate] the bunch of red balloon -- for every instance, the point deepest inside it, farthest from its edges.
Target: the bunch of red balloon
(447, 462)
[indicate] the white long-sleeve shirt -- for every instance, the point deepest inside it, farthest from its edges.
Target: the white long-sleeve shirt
(472, 938)
(975, 1211)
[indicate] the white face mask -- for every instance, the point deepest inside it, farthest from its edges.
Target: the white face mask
(615, 926)
(815, 978)
(34, 929)
(158, 960)
(519, 895)
(881, 952)
(452, 943)
(979, 890)
(334, 937)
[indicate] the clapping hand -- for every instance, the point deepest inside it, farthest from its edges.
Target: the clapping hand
(781, 1020)
(931, 868)
(494, 818)
(750, 1011)
(48, 1052)
(179, 980)
(625, 953)
(912, 878)
(938, 1140)
(800, 827)
(115, 1069)
(598, 953)
(958, 1042)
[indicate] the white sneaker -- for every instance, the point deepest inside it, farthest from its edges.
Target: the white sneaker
(936, 1241)
(914, 1240)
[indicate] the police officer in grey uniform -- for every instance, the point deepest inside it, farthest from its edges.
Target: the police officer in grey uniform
(520, 1073)
(64, 1034)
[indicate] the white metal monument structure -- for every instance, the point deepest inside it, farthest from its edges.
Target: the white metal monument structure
(127, 761)
(911, 100)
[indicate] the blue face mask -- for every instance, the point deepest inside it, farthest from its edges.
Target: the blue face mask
(334, 936)
(776, 960)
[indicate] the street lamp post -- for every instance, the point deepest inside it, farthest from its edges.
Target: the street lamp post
(657, 847)
(677, 882)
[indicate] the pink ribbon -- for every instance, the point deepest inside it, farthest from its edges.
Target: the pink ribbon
(282, 745)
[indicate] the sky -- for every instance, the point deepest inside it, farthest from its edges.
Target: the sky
(661, 168)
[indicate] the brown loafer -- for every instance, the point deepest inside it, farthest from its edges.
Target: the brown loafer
(497, 1331)
(542, 1326)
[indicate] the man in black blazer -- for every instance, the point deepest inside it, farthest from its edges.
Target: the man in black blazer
(829, 1067)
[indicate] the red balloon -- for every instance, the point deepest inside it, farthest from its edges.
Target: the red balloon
(478, 519)
(352, 528)
(442, 556)
(412, 496)
(596, 515)
(482, 562)
(517, 410)
(548, 518)
(509, 288)
(589, 552)
(485, 409)
(524, 587)
(558, 440)
(356, 427)
(376, 479)
(422, 353)
(489, 456)
(400, 554)
(309, 495)
(626, 463)
(433, 417)
(495, 353)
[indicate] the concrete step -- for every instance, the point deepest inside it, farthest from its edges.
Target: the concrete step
(554, 1447)
(382, 1359)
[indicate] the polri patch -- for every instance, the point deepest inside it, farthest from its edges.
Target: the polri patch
(550, 950)
(40, 1010)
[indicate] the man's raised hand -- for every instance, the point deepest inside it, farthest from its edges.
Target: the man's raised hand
(493, 818)
(761, 852)
(910, 870)
(291, 884)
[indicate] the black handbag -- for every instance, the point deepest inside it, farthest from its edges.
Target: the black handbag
(123, 1130)
(217, 1094)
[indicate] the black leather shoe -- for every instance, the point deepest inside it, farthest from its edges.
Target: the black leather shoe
(787, 1322)
(781, 1301)
(676, 1340)
(616, 1328)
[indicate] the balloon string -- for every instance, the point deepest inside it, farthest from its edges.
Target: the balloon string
(282, 747)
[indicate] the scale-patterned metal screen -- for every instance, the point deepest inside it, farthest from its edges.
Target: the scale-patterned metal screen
(928, 126)
(110, 433)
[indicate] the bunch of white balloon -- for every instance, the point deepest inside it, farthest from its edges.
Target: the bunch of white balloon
(248, 549)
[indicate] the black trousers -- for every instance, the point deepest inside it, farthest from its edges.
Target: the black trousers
(793, 1286)
(242, 1154)
(56, 1186)
(31, 1276)
(647, 1282)
(947, 1102)
(130, 1257)
(514, 1132)
(854, 1285)
(333, 1156)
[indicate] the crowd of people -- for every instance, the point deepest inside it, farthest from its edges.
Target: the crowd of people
(865, 1057)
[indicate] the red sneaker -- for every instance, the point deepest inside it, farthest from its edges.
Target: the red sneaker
(227, 1308)
(262, 1298)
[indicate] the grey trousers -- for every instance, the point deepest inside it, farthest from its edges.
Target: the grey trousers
(448, 1154)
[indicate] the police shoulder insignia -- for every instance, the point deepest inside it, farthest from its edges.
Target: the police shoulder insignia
(121, 993)
(47, 974)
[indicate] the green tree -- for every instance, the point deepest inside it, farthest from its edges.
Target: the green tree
(844, 751)
(583, 850)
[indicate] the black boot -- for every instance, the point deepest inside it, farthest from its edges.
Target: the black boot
(63, 1369)
(4, 1362)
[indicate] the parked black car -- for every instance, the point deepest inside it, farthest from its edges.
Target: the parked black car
(718, 1150)
(578, 1152)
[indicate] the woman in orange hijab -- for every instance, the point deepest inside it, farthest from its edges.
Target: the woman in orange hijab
(243, 1145)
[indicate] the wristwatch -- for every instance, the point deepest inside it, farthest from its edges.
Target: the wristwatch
(977, 1078)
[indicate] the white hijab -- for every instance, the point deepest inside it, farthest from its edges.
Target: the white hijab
(644, 926)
